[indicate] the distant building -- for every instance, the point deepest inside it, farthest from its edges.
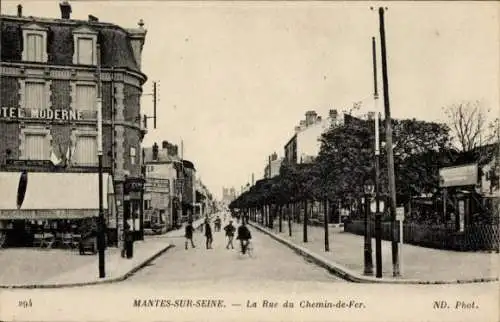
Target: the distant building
(272, 169)
(304, 145)
(228, 195)
(165, 164)
(160, 207)
(203, 198)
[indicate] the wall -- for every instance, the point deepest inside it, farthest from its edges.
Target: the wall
(308, 143)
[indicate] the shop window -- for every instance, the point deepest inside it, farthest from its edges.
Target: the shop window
(85, 41)
(35, 144)
(34, 43)
(132, 155)
(85, 150)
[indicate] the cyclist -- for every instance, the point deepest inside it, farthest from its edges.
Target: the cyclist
(244, 236)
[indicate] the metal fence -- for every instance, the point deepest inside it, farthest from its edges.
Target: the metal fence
(476, 237)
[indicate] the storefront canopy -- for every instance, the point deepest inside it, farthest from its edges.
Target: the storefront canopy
(50, 195)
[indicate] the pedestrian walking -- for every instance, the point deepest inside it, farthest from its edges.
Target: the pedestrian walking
(244, 236)
(229, 229)
(217, 223)
(189, 230)
(208, 234)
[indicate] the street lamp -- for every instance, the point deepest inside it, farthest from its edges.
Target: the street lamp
(101, 238)
(378, 209)
(368, 189)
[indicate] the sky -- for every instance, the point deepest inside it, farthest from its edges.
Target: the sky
(235, 78)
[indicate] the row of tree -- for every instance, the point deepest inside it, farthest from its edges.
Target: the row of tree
(345, 164)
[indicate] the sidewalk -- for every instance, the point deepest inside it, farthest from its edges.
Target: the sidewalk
(418, 264)
(42, 268)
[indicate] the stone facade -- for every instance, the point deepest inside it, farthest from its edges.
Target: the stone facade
(121, 81)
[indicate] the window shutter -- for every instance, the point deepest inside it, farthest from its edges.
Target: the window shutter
(85, 51)
(35, 96)
(86, 150)
(36, 147)
(35, 47)
(86, 98)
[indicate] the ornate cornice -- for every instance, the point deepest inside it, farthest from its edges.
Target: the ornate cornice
(74, 123)
(71, 73)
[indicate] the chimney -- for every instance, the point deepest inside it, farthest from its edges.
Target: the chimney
(164, 145)
(297, 129)
(155, 151)
(93, 18)
(333, 115)
(371, 116)
(303, 124)
(19, 10)
(311, 117)
(137, 37)
(65, 9)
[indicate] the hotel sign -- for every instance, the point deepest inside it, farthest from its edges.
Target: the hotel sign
(44, 114)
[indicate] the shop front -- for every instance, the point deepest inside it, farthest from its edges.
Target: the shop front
(133, 210)
(156, 205)
(47, 209)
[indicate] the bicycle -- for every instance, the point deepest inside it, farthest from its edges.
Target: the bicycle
(249, 249)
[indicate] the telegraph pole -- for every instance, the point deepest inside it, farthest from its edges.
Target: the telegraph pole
(100, 228)
(388, 139)
(378, 215)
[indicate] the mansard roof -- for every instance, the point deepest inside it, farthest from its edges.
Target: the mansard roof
(116, 50)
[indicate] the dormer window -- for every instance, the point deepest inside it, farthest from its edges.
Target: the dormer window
(85, 41)
(34, 43)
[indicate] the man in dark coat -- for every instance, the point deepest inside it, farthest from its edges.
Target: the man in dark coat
(189, 230)
(244, 236)
(229, 229)
(208, 234)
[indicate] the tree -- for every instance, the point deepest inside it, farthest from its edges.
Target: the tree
(420, 149)
(470, 125)
(346, 157)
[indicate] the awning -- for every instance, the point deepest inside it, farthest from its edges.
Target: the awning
(53, 195)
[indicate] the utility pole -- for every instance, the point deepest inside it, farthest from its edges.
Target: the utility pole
(388, 139)
(100, 227)
(378, 215)
(183, 178)
(325, 213)
(269, 211)
(154, 105)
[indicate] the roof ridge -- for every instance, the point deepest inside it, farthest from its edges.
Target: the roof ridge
(60, 21)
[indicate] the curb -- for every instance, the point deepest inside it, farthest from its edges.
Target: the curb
(347, 274)
(104, 281)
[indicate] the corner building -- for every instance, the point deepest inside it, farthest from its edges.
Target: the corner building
(48, 120)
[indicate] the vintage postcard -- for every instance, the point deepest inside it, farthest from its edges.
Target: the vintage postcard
(249, 160)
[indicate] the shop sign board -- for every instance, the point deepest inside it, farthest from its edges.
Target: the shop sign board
(465, 175)
(134, 185)
(157, 185)
(400, 213)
